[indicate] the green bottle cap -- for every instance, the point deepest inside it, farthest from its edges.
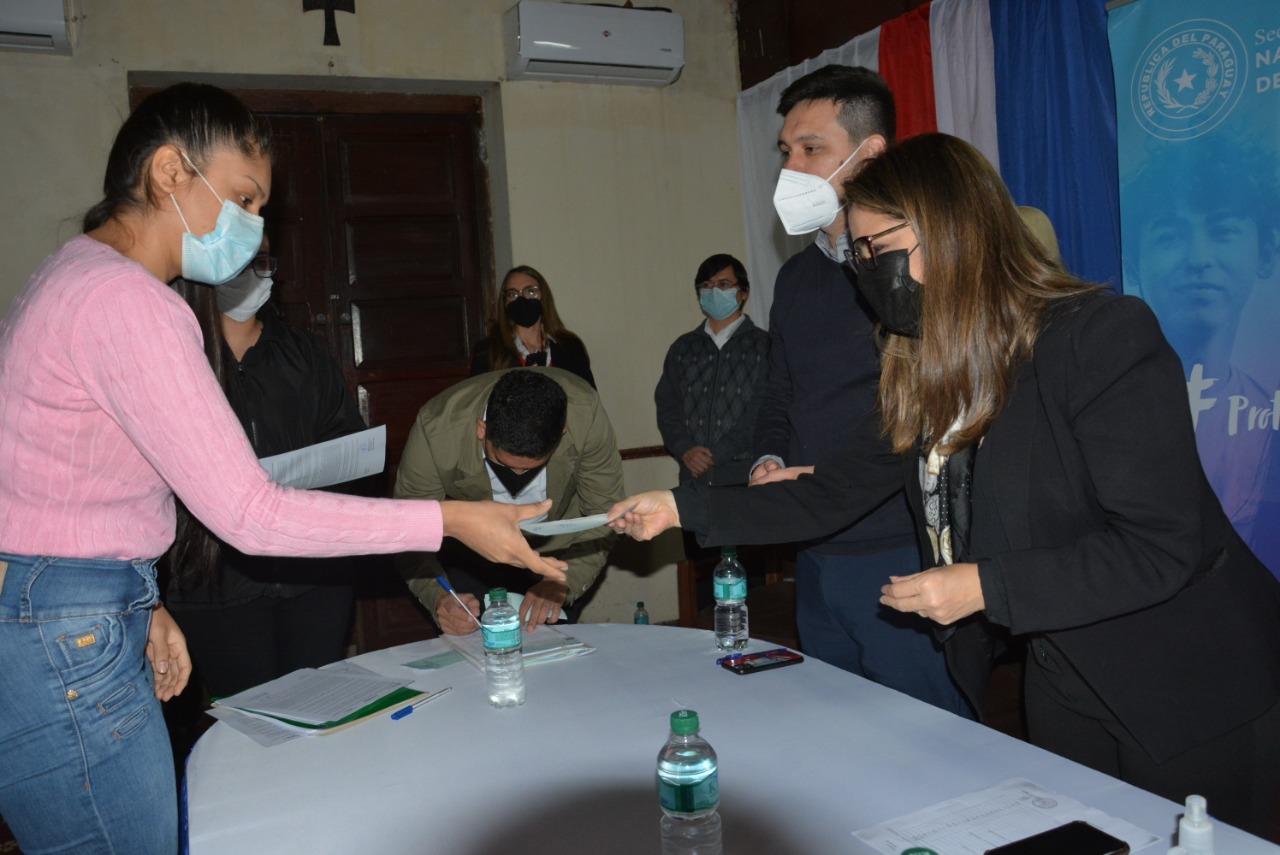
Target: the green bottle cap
(497, 595)
(729, 552)
(640, 604)
(684, 722)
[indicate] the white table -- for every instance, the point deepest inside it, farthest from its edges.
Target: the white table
(808, 754)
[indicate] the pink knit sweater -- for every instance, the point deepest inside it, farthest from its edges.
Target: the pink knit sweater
(108, 407)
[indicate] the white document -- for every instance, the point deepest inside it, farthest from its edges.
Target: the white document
(333, 462)
(267, 732)
(545, 644)
(573, 526)
(976, 822)
(313, 696)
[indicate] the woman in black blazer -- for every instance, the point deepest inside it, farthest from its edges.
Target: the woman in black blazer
(1042, 427)
(526, 329)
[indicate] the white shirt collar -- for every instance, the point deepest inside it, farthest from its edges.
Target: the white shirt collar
(835, 253)
(722, 338)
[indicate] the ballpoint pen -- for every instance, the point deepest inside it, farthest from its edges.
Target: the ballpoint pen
(404, 711)
(444, 583)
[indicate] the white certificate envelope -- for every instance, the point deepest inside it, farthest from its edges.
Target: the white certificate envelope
(573, 526)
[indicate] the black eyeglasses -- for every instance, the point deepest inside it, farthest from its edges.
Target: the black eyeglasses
(264, 266)
(861, 254)
(533, 292)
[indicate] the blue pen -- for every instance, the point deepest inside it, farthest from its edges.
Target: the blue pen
(404, 711)
(444, 583)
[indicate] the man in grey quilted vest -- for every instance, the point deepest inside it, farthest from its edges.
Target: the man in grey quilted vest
(712, 380)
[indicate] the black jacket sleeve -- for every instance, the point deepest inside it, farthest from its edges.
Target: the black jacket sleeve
(863, 475)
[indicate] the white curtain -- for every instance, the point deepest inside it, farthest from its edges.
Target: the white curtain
(964, 91)
(964, 77)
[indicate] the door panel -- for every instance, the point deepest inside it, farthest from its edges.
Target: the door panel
(380, 228)
(301, 241)
(388, 333)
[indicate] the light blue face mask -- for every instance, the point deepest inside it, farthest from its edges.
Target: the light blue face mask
(718, 304)
(217, 257)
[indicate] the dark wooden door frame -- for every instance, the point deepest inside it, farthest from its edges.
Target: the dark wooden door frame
(301, 93)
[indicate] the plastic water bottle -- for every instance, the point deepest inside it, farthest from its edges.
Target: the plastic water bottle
(730, 586)
(641, 616)
(503, 658)
(688, 790)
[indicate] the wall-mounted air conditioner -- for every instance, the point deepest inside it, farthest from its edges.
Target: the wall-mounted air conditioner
(593, 43)
(39, 26)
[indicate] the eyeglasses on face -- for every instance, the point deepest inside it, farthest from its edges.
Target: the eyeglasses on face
(718, 284)
(861, 254)
(533, 292)
(264, 266)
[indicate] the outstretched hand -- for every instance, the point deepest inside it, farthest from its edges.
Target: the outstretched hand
(644, 516)
(492, 530)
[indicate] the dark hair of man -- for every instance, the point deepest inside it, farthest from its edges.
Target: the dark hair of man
(526, 413)
(718, 262)
(197, 118)
(501, 334)
(987, 286)
(865, 102)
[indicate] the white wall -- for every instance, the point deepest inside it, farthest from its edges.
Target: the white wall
(616, 193)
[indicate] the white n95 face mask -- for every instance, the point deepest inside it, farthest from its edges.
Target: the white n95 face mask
(806, 202)
(242, 297)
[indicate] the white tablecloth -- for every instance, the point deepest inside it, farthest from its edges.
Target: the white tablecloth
(808, 754)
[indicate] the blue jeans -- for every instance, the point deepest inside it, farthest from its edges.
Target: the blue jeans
(841, 622)
(86, 764)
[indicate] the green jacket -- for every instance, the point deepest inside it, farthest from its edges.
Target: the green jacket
(444, 459)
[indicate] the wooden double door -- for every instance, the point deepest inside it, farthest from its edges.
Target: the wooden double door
(380, 225)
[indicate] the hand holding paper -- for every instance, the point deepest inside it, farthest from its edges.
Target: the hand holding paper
(644, 516)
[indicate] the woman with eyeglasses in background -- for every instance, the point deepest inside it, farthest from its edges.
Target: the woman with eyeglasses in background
(526, 329)
(1042, 429)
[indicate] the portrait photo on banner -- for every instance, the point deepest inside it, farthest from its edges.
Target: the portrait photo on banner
(1198, 123)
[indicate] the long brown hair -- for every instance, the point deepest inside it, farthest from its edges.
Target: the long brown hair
(987, 286)
(502, 350)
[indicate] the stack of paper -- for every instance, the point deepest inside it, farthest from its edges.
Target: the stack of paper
(544, 644)
(975, 822)
(311, 701)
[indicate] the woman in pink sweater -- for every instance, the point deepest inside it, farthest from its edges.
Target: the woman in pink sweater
(108, 407)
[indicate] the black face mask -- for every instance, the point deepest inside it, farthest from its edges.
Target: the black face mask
(509, 479)
(893, 293)
(524, 312)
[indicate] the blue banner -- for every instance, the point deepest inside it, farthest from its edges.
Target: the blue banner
(1198, 125)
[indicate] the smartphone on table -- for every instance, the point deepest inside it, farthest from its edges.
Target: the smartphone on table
(751, 663)
(1074, 838)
